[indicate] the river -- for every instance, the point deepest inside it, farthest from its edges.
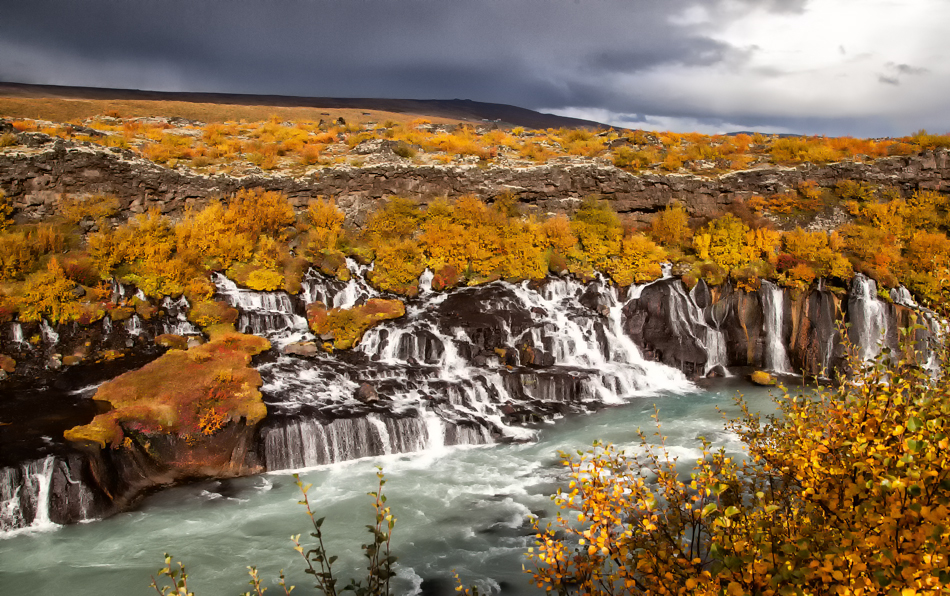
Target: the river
(458, 508)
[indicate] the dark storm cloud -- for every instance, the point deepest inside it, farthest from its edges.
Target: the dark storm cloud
(528, 51)
(555, 54)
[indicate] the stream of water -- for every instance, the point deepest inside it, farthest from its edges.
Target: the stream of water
(458, 508)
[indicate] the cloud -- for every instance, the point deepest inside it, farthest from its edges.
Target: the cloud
(906, 69)
(711, 63)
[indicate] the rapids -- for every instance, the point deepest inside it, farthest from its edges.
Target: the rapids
(457, 508)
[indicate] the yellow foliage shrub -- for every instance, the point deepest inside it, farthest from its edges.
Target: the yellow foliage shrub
(638, 262)
(670, 227)
(48, 294)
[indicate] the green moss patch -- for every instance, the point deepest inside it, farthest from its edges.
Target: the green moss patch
(191, 394)
(345, 326)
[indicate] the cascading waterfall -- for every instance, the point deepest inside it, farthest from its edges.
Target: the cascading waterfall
(176, 322)
(16, 334)
(49, 335)
(133, 325)
(269, 314)
(773, 309)
(41, 493)
(436, 377)
(868, 317)
(24, 494)
(685, 316)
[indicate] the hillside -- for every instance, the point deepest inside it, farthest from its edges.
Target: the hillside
(94, 100)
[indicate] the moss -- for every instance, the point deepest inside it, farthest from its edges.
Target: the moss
(446, 278)
(120, 313)
(760, 377)
(144, 308)
(169, 340)
(332, 263)
(212, 312)
(346, 326)
(7, 364)
(189, 394)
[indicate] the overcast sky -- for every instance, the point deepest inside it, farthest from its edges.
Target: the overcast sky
(834, 67)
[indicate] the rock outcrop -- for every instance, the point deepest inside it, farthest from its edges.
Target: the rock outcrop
(35, 174)
(686, 328)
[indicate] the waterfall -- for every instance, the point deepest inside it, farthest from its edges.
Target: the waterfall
(308, 442)
(901, 295)
(268, 314)
(868, 317)
(773, 310)
(686, 316)
(176, 320)
(16, 334)
(316, 287)
(107, 326)
(462, 367)
(133, 325)
(49, 335)
(41, 493)
(25, 495)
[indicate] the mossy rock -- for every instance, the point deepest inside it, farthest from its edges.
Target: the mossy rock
(212, 312)
(346, 326)
(446, 278)
(760, 377)
(190, 394)
(7, 364)
(172, 341)
(120, 313)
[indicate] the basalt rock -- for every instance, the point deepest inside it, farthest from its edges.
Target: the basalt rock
(679, 328)
(37, 172)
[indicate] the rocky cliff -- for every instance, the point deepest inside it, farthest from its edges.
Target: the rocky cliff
(35, 174)
(708, 330)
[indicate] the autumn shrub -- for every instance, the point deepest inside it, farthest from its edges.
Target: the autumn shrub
(854, 190)
(723, 241)
(48, 294)
(398, 266)
(670, 227)
(212, 312)
(76, 208)
(638, 261)
(598, 231)
(925, 140)
(845, 491)
(6, 211)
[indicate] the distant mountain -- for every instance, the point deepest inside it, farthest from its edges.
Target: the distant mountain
(460, 109)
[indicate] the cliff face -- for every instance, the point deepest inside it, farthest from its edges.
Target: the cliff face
(702, 330)
(35, 175)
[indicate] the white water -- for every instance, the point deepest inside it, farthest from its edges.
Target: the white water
(16, 334)
(176, 321)
(49, 335)
(464, 509)
(686, 316)
(25, 495)
(133, 325)
(423, 366)
(269, 314)
(868, 317)
(773, 311)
